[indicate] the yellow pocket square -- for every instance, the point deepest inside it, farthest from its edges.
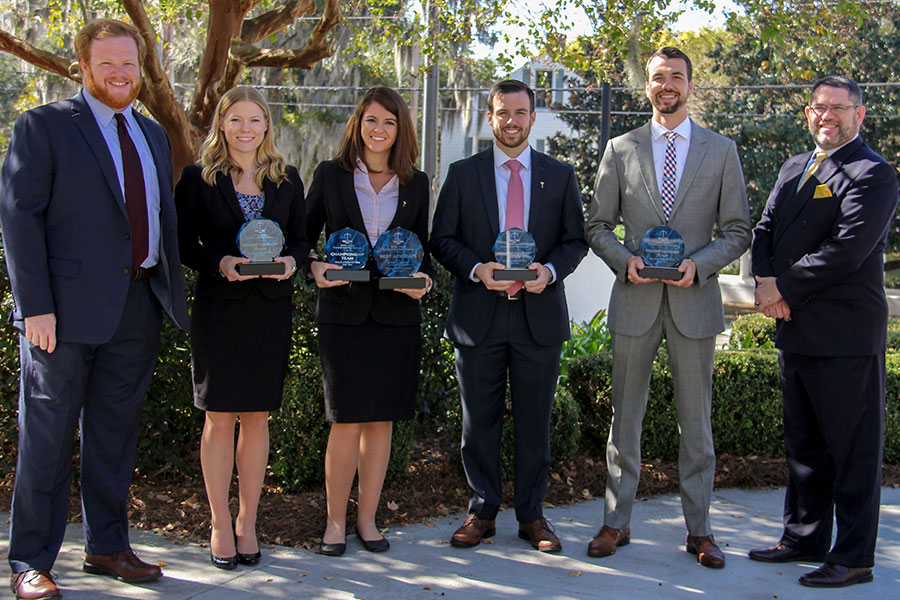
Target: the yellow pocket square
(822, 191)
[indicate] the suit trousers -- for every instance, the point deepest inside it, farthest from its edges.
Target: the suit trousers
(833, 433)
(482, 371)
(691, 362)
(101, 388)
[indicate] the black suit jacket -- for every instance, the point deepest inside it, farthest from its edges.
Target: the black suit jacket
(467, 222)
(332, 204)
(65, 226)
(209, 218)
(824, 244)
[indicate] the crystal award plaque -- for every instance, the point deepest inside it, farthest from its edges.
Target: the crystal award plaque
(260, 240)
(662, 250)
(515, 250)
(398, 254)
(349, 249)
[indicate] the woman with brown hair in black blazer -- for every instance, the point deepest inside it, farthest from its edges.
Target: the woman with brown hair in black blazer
(370, 341)
(240, 324)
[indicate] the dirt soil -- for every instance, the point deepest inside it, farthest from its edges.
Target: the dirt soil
(434, 487)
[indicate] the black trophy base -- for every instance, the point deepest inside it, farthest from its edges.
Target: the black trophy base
(401, 283)
(515, 274)
(661, 273)
(260, 268)
(346, 275)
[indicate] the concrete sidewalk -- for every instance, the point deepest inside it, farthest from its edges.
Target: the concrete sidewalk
(421, 564)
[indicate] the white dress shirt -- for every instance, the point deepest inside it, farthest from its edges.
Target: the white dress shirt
(682, 145)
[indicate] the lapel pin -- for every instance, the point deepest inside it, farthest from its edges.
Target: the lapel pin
(542, 185)
(404, 203)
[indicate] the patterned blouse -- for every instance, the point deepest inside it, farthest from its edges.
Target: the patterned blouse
(251, 205)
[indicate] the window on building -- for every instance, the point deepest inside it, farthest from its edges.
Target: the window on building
(543, 84)
(484, 144)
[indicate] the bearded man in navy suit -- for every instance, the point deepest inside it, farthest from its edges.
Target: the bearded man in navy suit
(817, 256)
(501, 331)
(90, 239)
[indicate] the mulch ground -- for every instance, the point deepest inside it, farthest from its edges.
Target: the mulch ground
(434, 487)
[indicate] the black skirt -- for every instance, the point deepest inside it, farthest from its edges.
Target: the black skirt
(239, 352)
(370, 372)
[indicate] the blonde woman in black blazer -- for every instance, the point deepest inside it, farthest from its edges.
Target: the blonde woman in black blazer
(240, 325)
(369, 339)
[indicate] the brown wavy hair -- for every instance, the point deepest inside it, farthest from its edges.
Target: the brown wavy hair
(402, 159)
(214, 157)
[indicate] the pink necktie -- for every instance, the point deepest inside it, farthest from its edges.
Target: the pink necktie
(515, 208)
(668, 186)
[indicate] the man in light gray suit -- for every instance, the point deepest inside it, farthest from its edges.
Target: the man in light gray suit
(669, 172)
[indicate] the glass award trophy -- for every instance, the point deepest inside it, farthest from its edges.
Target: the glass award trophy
(398, 254)
(662, 250)
(515, 250)
(260, 240)
(349, 249)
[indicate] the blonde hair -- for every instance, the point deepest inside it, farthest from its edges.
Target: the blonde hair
(214, 157)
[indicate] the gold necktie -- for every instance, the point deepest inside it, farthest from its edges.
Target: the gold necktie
(820, 157)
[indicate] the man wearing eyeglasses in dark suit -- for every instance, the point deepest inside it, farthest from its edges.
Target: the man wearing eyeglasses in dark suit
(817, 257)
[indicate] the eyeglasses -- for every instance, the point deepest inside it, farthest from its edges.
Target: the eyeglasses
(838, 109)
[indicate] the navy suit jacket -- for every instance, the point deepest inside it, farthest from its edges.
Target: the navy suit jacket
(466, 224)
(65, 225)
(332, 204)
(210, 217)
(824, 244)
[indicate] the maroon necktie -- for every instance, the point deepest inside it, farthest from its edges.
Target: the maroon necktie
(135, 195)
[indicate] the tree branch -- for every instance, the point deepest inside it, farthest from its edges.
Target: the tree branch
(39, 58)
(319, 46)
(275, 20)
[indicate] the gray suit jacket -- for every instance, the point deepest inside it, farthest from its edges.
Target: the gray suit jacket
(711, 199)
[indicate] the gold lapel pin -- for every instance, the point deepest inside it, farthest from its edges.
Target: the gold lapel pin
(404, 203)
(542, 185)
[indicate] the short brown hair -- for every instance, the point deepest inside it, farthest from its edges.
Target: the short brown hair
(106, 28)
(671, 52)
(402, 160)
(510, 86)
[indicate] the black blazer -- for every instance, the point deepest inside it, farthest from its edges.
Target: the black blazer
(209, 218)
(824, 244)
(467, 222)
(332, 204)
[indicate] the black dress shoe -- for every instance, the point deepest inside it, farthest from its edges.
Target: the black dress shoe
(381, 545)
(779, 553)
(832, 575)
(332, 549)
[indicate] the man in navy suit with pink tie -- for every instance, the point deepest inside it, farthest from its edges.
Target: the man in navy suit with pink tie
(817, 256)
(90, 240)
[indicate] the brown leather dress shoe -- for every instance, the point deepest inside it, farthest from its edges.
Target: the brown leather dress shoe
(708, 554)
(123, 565)
(541, 535)
(780, 553)
(832, 575)
(607, 540)
(472, 531)
(33, 585)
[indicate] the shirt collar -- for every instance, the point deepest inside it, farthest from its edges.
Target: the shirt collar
(500, 157)
(833, 150)
(683, 129)
(103, 113)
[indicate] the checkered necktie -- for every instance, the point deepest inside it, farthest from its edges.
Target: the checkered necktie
(667, 194)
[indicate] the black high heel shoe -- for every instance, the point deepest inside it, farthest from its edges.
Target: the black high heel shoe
(229, 563)
(245, 559)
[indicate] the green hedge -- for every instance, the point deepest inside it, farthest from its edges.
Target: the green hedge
(746, 405)
(755, 330)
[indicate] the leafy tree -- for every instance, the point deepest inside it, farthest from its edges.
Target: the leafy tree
(235, 36)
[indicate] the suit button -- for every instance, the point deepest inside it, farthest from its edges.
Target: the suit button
(128, 235)
(803, 223)
(790, 263)
(126, 271)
